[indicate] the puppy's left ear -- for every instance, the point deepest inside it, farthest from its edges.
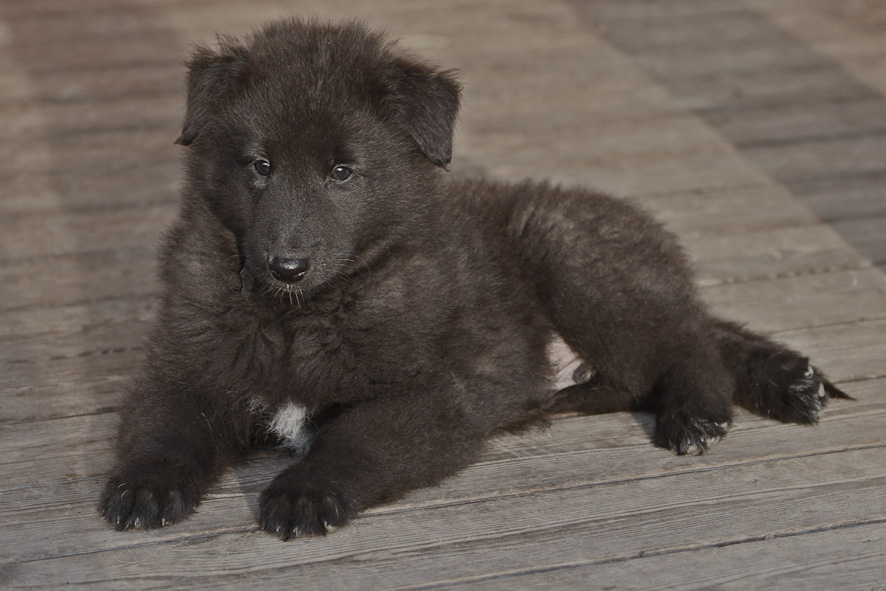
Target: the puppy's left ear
(425, 102)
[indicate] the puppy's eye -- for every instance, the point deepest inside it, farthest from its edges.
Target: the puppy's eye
(262, 167)
(340, 174)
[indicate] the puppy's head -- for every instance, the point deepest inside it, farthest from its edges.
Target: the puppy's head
(316, 145)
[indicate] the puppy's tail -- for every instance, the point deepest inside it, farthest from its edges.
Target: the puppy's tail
(772, 380)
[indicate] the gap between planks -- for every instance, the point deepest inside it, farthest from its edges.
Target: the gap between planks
(480, 540)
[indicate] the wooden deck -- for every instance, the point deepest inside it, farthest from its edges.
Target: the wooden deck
(755, 129)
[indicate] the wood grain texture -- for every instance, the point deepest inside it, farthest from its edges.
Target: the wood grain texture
(754, 130)
(802, 107)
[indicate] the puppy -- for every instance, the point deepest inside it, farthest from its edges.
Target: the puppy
(324, 287)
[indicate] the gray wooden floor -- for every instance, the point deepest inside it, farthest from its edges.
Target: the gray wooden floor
(756, 129)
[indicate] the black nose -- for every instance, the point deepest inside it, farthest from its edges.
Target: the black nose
(288, 269)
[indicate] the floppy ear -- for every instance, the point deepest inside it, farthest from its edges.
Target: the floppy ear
(212, 78)
(425, 102)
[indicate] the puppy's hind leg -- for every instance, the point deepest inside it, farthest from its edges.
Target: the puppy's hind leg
(772, 380)
(693, 402)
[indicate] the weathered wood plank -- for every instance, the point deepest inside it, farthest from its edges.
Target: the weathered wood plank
(35, 389)
(71, 448)
(846, 558)
(802, 301)
(771, 253)
(742, 502)
(74, 330)
(841, 197)
(824, 157)
(128, 181)
(770, 72)
(784, 122)
(87, 278)
(730, 210)
(852, 351)
(867, 235)
(849, 34)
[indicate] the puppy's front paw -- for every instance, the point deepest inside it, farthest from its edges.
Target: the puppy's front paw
(293, 509)
(149, 493)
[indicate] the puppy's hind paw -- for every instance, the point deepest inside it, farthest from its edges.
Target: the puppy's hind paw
(686, 435)
(806, 396)
(706, 442)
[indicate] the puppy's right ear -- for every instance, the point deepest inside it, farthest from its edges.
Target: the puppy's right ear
(213, 77)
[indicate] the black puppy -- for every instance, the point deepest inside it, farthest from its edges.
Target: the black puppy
(326, 288)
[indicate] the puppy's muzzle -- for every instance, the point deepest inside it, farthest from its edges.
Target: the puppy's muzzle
(287, 268)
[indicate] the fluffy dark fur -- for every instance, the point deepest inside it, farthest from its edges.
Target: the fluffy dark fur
(324, 284)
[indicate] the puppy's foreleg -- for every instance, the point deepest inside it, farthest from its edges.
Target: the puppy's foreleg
(168, 454)
(373, 453)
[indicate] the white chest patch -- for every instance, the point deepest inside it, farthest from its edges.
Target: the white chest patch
(290, 425)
